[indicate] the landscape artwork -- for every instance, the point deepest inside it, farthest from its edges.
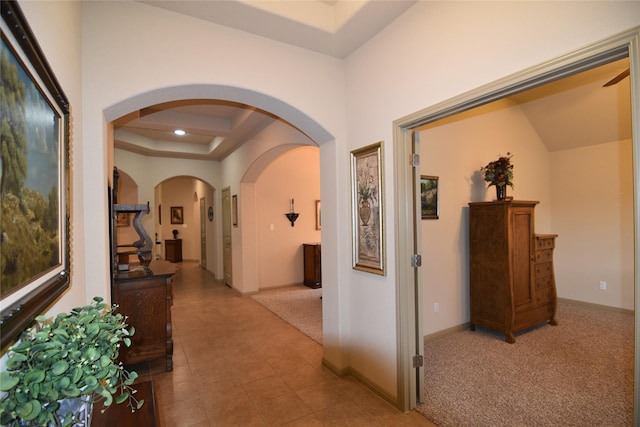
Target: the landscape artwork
(31, 166)
(429, 197)
(34, 179)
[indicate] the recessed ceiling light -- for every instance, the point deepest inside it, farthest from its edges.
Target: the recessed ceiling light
(179, 132)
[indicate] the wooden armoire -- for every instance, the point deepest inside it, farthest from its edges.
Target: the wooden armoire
(512, 282)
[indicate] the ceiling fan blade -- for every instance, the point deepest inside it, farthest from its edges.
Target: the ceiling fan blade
(617, 78)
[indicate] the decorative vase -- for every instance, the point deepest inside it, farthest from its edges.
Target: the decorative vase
(501, 192)
(365, 212)
(82, 407)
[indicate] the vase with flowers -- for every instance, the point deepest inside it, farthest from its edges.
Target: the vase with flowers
(499, 173)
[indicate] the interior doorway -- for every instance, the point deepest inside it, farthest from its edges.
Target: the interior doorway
(406, 184)
(203, 233)
(227, 260)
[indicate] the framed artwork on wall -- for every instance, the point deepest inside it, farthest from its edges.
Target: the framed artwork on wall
(177, 215)
(35, 179)
(234, 210)
(429, 196)
(367, 209)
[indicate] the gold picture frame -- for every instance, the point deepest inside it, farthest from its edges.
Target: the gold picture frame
(41, 271)
(367, 196)
(177, 215)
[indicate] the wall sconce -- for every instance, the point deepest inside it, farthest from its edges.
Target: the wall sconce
(292, 216)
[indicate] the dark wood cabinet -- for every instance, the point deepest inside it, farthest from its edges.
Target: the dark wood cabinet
(121, 415)
(511, 268)
(145, 296)
(173, 250)
(312, 265)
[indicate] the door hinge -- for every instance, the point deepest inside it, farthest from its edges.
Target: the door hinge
(414, 160)
(418, 361)
(416, 260)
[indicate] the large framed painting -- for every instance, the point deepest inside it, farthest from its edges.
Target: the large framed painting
(34, 211)
(368, 209)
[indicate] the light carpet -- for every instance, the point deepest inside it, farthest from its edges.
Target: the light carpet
(298, 305)
(579, 373)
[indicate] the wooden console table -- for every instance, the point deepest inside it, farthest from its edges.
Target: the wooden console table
(146, 298)
(121, 415)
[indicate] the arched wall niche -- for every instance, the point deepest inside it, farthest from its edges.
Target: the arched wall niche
(286, 112)
(242, 171)
(186, 192)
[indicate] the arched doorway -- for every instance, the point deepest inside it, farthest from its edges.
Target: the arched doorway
(290, 129)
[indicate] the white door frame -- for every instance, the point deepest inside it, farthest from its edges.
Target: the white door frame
(409, 304)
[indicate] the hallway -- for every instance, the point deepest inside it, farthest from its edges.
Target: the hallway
(238, 364)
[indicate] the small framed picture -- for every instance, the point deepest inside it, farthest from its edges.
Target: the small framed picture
(429, 196)
(177, 215)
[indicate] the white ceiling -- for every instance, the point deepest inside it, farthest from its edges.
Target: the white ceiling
(336, 28)
(568, 113)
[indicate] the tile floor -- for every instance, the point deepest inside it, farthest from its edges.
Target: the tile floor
(238, 364)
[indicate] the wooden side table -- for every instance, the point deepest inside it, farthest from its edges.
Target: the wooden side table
(173, 250)
(121, 415)
(312, 265)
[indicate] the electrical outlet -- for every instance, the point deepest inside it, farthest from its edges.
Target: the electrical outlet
(436, 307)
(603, 285)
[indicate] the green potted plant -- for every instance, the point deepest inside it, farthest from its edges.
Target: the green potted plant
(72, 356)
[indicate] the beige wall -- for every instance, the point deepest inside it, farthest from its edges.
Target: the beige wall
(295, 174)
(454, 150)
(592, 216)
(182, 192)
(592, 213)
